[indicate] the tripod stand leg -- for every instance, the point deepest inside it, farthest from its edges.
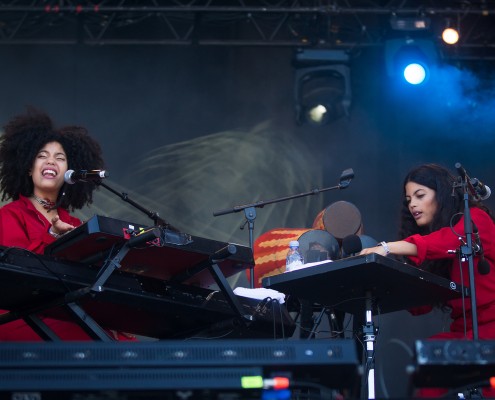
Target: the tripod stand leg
(369, 339)
(306, 318)
(317, 322)
(40, 328)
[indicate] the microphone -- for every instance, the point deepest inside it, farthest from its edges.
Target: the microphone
(83, 175)
(477, 188)
(346, 177)
(482, 190)
(351, 244)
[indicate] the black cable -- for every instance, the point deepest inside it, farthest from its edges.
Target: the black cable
(326, 393)
(4, 255)
(459, 255)
(468, 388)
(463, 298)
(273, 306)
(268, 301)
(281, 319)
(110, 256)
(59, 200)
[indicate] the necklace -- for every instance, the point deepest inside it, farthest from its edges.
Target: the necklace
(47, 204)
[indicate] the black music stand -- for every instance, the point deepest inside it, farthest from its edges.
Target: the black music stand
(371, 282)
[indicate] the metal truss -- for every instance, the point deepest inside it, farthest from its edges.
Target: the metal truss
(343, 24)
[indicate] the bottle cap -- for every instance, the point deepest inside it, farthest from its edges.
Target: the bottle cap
(294, 243)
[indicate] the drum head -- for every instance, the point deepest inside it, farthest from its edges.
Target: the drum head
(341, 219)
(368, 241)
(317, 239)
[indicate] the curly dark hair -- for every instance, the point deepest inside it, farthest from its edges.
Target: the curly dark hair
(24, 136)
(450, 201)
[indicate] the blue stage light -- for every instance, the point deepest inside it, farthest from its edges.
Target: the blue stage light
(410, 60)
(415, 73)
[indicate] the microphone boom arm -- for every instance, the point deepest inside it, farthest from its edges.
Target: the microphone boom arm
(250, 212)
(345, 180)
(158, 221)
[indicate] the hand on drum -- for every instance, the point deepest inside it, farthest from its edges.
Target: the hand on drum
(377, 249)
(399, 248)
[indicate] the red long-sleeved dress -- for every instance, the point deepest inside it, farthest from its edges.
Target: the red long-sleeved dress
(21, 225)
(435, 246)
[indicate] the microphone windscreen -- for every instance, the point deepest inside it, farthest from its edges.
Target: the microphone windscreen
(487, 194)
(483, 267)
(68, 176)
(351, 244)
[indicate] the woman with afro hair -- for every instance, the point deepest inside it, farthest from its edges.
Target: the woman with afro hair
(34, 156)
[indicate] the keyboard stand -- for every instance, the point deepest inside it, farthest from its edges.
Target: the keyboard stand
(369, 338)
(212, 265)
(69, 300)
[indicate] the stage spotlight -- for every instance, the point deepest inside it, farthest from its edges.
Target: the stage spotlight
(322, 86)
(321, 97)
(415, 73)
(411, 59)
(318, 113)
(450, 36)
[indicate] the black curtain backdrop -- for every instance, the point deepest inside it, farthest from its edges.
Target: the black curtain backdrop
(190, 130)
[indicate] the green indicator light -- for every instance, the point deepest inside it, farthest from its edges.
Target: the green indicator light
(251, 382)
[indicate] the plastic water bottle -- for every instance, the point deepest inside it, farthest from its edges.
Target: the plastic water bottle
(294, 258)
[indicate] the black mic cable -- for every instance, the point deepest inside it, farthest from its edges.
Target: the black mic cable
(59, 200)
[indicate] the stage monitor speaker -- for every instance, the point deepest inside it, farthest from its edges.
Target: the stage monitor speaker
(453, 363)
(226, 367)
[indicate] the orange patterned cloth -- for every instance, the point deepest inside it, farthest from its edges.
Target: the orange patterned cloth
(270, 251)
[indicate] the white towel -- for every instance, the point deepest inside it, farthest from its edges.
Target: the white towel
(260, 294)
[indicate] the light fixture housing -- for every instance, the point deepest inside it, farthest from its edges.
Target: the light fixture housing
(409, 23)
(403, 56)
(322, 88)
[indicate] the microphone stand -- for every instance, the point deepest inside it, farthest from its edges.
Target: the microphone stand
(250, 212)
(158, 221)
(467, 248)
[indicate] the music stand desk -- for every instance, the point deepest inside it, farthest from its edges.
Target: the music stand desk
(345, 284)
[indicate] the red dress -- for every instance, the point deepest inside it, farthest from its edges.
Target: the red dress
(435, 246)
(21, 225)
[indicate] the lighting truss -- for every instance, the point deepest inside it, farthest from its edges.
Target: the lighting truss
(334, 24)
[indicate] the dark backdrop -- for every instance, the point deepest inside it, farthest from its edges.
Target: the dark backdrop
(190, 130)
